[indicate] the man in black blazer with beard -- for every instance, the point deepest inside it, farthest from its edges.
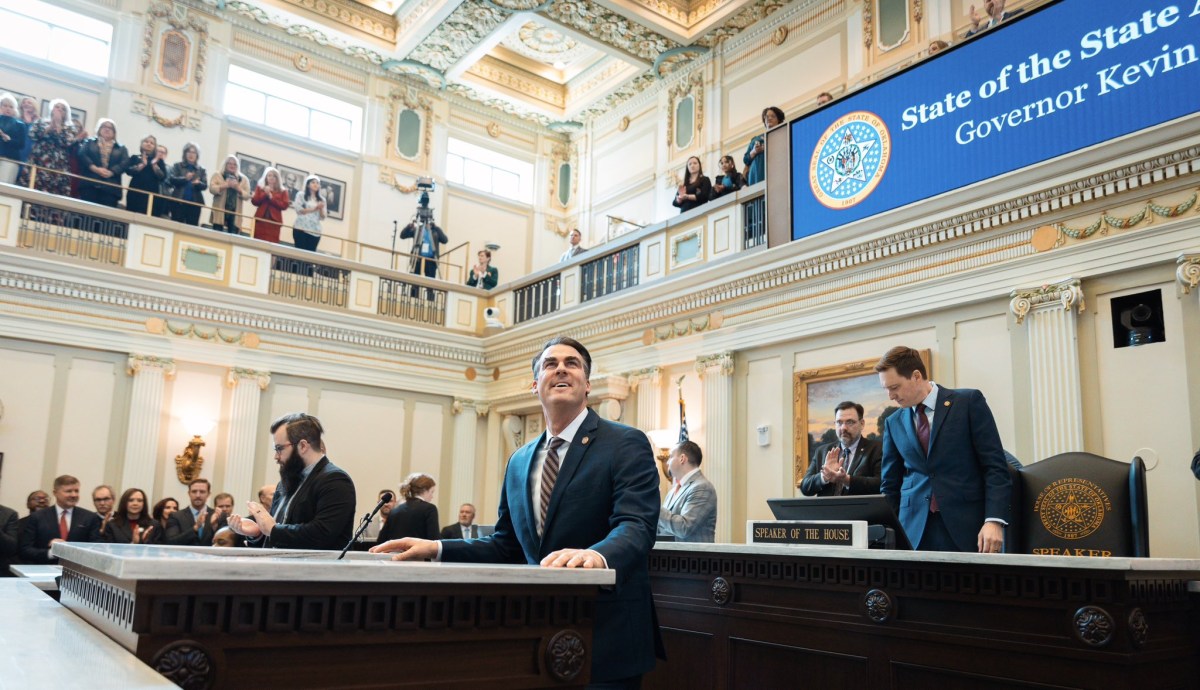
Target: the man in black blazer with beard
(64, 521)
(848, 466)
(314, 502)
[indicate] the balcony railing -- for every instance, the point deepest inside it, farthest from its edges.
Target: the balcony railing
(754, 222)
(411, 302)
(609, 273)
(305, 281)
(537, 300)
(71, 234)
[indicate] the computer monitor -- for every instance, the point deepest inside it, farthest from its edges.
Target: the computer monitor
(874, 509)
(486, 530)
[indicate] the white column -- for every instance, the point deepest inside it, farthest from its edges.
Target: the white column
(462, 472)
(647, 383)
(717, 373)
(145, 418)
(247, 386)
(1049, 314)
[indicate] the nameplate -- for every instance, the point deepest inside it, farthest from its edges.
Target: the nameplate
(849, 533)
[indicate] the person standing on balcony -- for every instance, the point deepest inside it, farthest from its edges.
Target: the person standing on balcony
(772, 117)
(146, 173)
(484, 274)
(271, 199)
(695, 189)
(53, 138)
(102, 162)
(310, 211)
(229, 188)
(188, 180)
(576, 248)
(12, 139)
(730, 180)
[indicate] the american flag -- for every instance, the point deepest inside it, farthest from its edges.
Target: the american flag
(683, 434)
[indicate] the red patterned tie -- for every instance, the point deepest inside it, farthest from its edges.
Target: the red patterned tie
(549, 476)
(923, 437)
(63, 528)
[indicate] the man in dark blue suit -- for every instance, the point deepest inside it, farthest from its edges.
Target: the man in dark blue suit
(943, 465)
(63, 521)
(598, 508)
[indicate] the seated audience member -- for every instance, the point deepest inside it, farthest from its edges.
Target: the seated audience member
(483, 273)
(995, 14)
(63, 521)
(229, 188)
(192, 525)
(102, 162)
(270, 200)
(53, 138)
(12, 139)
(575, 248)
(225, 537)
(465, 528)
(266, 494)
(753, 159)
(417, 516)
(851, 464)
(310, 211)
(824, 97)
(936, 47)
(188, 180)
(163, 510)
(377, 524)
(730, 180)
(313, 507)
(689, 511)
(695, 189)
(147, 171)
(131, 523)
(102, 500)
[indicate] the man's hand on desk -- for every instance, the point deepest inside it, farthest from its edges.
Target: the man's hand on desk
(408, 549)
(573, 558)
(991, 538)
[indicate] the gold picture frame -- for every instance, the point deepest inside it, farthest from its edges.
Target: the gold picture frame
(815, 392)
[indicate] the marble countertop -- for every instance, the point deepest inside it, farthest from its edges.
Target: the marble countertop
(141, 562)
(47, 646)
(1002, 559)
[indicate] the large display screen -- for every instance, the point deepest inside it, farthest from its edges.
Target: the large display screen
(1065, 77)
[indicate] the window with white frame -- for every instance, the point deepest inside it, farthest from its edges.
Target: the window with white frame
(489, 171)
(293, 109)
(47, 32)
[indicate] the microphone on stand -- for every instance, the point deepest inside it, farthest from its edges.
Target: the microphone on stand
(385, 498)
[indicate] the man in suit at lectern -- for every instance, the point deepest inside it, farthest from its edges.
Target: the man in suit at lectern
(584, 494)
(63, 521)
(849, 465)
(943, 465)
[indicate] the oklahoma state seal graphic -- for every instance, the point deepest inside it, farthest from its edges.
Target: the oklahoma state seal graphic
(1072, 508)
(850, 159)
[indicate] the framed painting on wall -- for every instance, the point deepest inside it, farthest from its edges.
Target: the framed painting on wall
(292, 179)
(252, 168)
(334, 192)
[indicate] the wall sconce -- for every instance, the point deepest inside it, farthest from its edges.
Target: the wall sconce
(189, 463)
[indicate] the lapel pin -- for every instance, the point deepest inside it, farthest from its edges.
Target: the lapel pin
(585, 440)
(947, 403)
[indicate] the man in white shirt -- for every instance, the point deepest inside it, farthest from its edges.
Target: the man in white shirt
(689, 511)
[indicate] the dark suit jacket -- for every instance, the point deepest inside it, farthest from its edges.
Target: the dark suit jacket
(43, 526)
(9, 539)
(321, 516)
(455, 531)
(864, 469)
(605, 499)
(1196, 464)
(413, 518)
(181, 528)
(965, 467)
(121, 532)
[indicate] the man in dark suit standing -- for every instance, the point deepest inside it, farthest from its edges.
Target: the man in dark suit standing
(584, 494)
(848, 466)
(195, 524)
(943, 465)
(465, 527)
(9, 539)
(64, 521)
(313, 507)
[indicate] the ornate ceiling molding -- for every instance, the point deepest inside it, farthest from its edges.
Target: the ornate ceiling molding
(352, 15)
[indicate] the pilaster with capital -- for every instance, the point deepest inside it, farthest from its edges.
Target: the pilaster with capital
(466, 440)
(717, 373)
(1187, 272)
(145, 417)
(248, 386)
(1048, 313)
(647, 383)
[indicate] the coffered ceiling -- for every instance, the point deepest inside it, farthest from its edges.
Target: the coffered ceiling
(556, 61)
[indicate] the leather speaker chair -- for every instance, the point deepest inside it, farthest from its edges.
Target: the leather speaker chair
(1080, 504)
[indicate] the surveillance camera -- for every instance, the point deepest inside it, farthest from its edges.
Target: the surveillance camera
(491, 317)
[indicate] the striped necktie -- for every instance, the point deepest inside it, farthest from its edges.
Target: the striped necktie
(549, 476)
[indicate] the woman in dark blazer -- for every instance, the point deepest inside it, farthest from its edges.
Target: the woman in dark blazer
(695, 189)
(417, 516)
(131, 522)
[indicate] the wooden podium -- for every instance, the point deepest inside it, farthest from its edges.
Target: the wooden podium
(756, 616)
(247, 618)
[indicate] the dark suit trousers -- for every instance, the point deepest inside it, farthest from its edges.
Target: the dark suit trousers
(936, 537)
